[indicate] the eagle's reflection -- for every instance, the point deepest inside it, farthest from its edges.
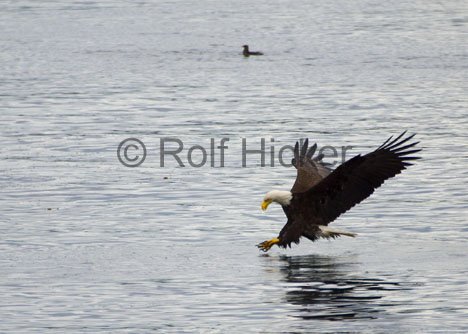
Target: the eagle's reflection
(333, 288)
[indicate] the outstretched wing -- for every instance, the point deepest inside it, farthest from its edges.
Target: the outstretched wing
(309, 171)
(348, 185)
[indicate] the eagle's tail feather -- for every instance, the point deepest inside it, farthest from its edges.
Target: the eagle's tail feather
(327, 232)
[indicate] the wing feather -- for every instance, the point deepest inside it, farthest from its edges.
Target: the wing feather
(310, 171)
(357, 179)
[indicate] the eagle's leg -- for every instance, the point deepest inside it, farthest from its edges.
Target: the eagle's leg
(266, 245)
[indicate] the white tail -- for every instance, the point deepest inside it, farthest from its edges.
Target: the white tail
(327, 232)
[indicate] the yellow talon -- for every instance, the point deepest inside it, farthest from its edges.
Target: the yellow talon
(266, 245)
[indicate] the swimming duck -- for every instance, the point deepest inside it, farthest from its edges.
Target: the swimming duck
(248, 53)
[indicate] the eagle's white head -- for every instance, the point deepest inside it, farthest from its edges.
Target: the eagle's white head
(278, 196)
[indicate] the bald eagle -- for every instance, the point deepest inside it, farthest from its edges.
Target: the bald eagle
(321, 195)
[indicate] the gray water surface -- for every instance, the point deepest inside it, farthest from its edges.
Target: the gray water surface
(88, 245)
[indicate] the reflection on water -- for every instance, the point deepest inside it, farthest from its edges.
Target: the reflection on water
(328, 287)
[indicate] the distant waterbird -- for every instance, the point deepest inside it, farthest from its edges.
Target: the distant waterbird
(320, 195)
(248, 53)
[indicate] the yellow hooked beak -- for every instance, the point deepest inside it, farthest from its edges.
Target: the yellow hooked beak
(265, 204)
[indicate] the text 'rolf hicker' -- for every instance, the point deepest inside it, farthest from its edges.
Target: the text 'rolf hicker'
(132, 152)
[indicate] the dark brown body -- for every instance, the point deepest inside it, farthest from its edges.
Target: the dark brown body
(248, 53)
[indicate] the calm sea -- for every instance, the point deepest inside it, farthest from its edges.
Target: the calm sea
(89, 245)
